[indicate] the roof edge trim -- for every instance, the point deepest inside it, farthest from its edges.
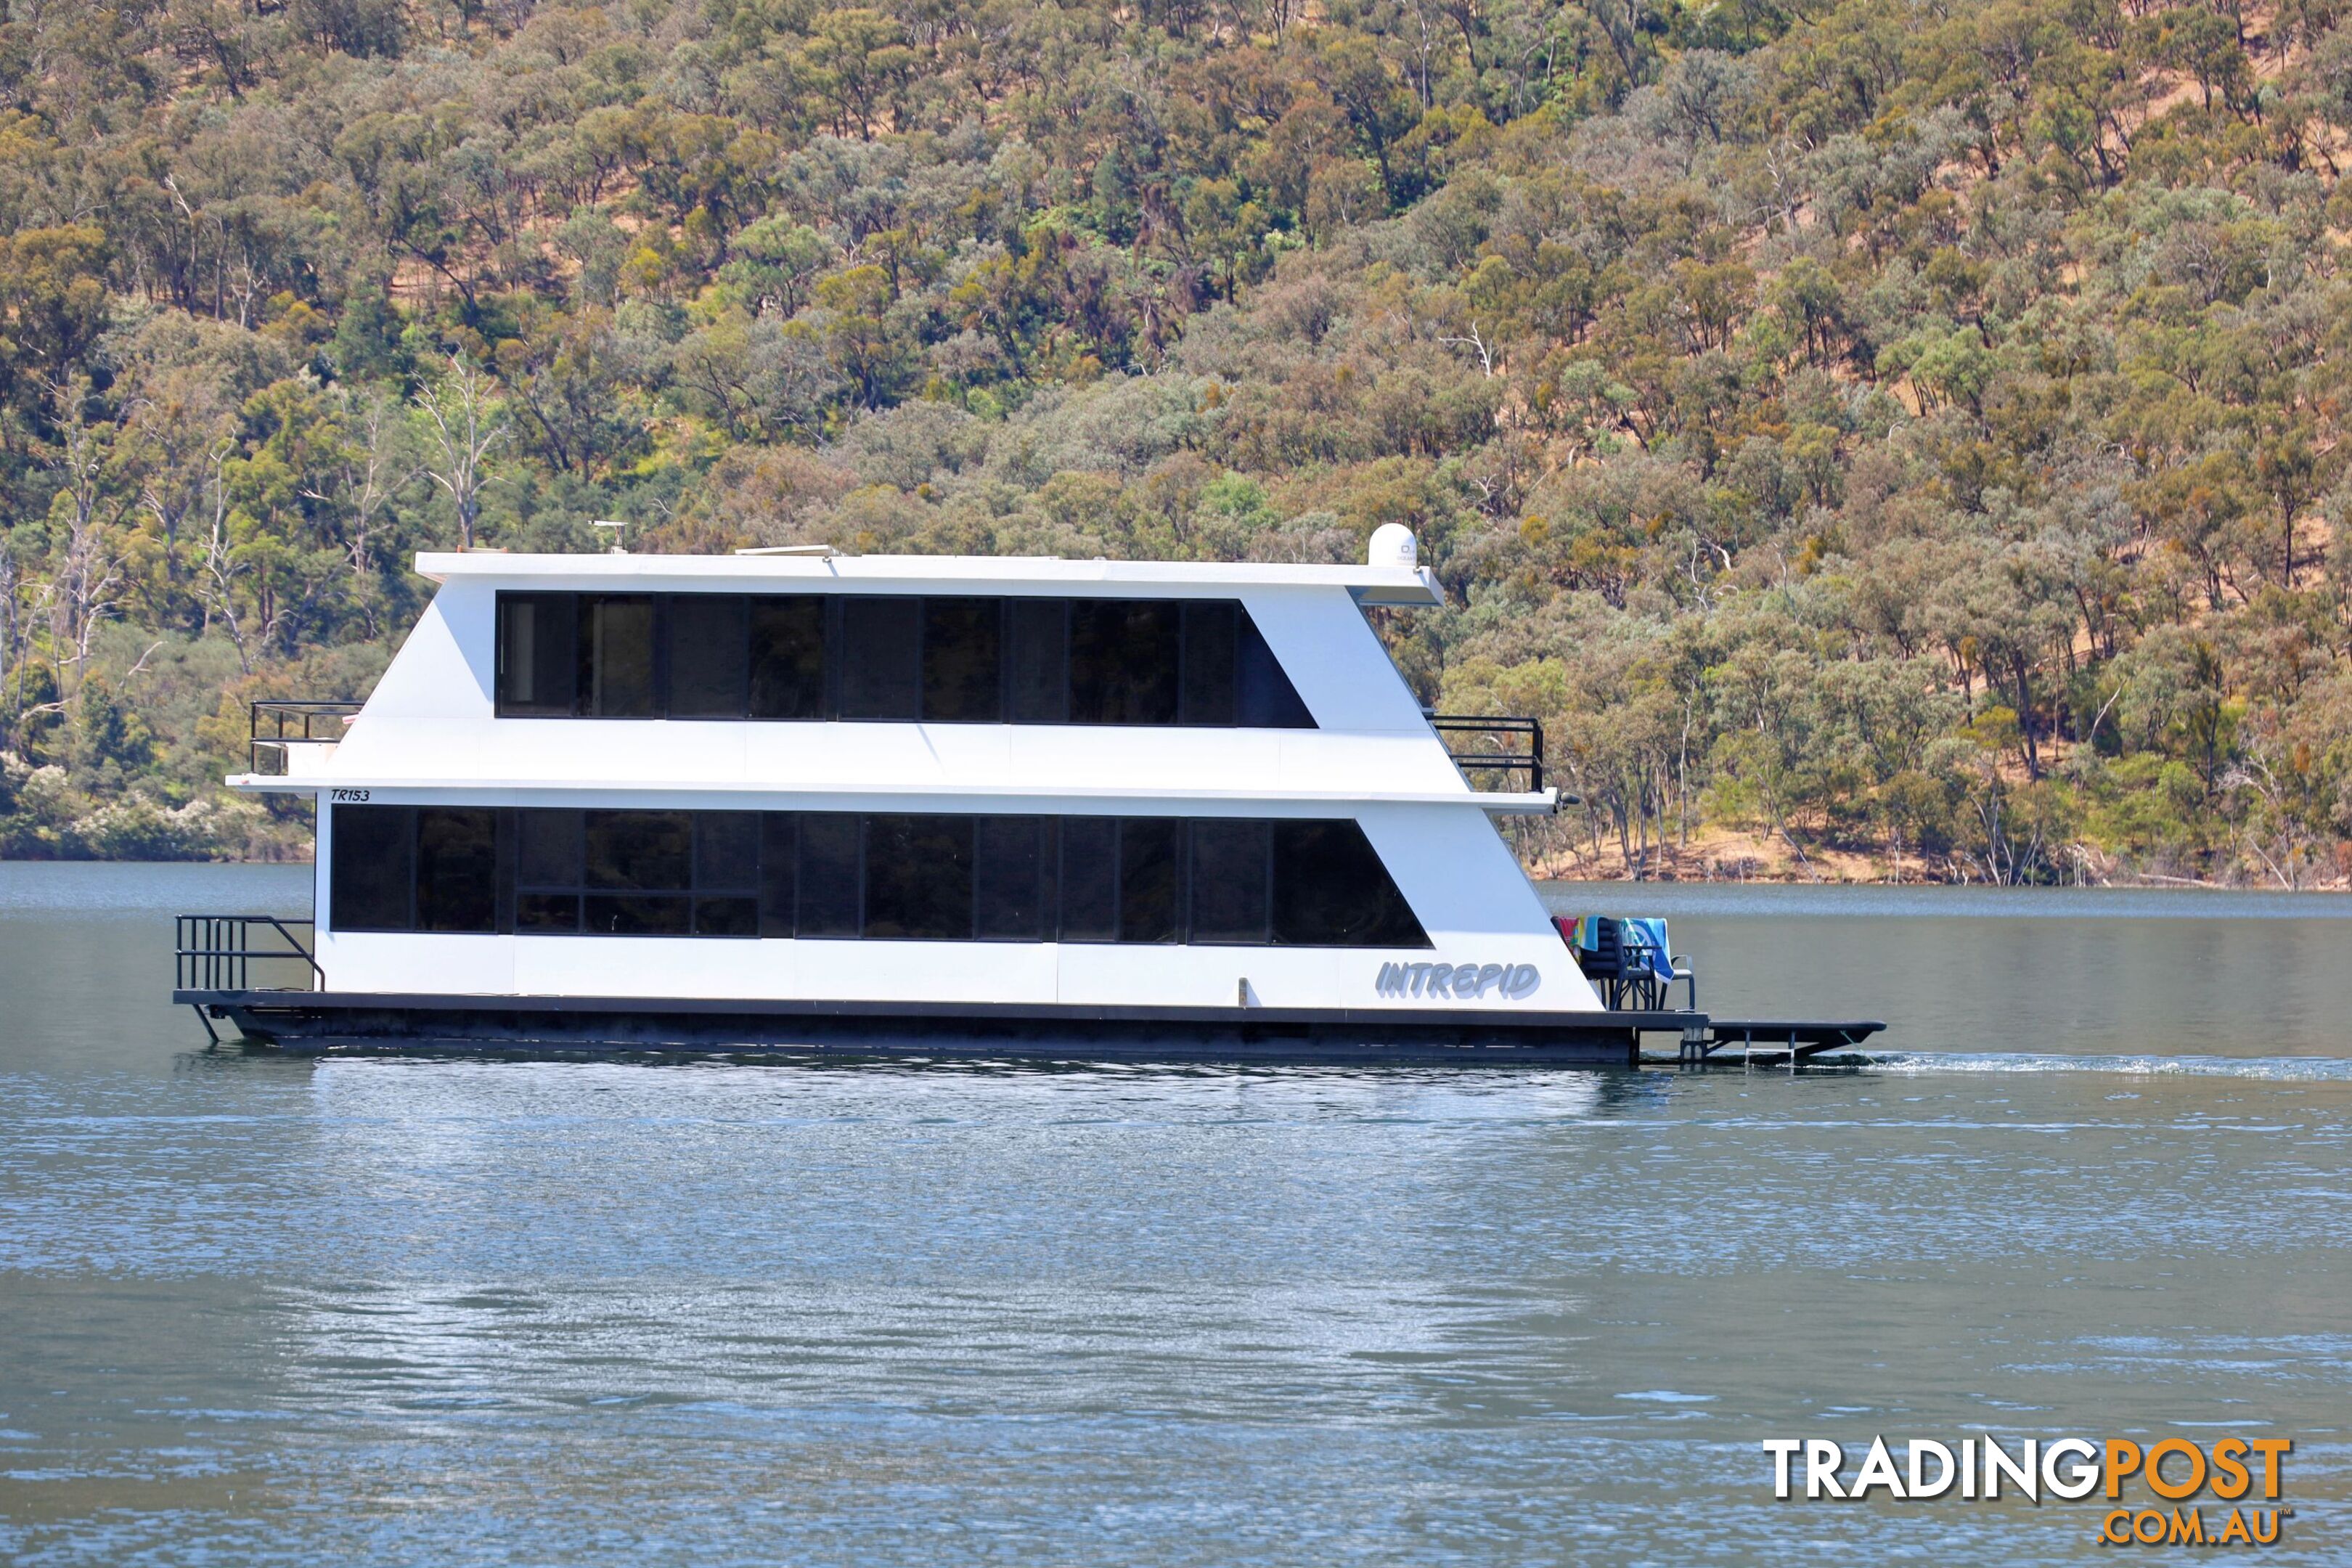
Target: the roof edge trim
(1370, 585)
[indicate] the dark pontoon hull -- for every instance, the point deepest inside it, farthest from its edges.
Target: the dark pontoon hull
(320, 1021)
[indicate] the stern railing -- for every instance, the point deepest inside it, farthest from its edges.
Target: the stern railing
(220, 953)
(1493, 747)
(279, 722)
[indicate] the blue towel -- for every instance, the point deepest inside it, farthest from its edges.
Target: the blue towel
(1648, 932)
(1644, 937)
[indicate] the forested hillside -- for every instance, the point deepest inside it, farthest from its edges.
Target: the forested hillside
(1875, 437)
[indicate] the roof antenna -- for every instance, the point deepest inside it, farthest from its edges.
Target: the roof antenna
(617, 528)
(1393, 546)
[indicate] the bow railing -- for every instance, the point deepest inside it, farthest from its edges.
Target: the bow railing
(279, 722)
(223, 953)
(1491, 747)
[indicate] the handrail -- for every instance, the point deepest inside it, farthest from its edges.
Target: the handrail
(1502, 731)
(214, 953)
(279, 722)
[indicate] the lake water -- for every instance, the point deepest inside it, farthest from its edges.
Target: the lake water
(255, 1311)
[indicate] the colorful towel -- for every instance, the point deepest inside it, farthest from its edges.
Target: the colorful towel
(1643, 935)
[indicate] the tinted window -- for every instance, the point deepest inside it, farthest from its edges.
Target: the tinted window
(649, 852)
(537, 656)
(780, 852)
(726, 851)
(1089, 878)
(1331, 891)
(456, 868)
(893, 876)
(1207, 694)
(1037, 661)
(963, 665)
(543, 913)
(1013, 885)
(549, 852)
(787, 656)
(1150, 877)
(1123, 661)
(709, 656)
(652, 850)
(948, 660)
(548, 870)
(616, 656)
(727, 916)
(627, 873)
(918, 877)
(1230, 881)
(371, 881)
(639, 914)
(829, 878)
(1264, 698)
(881, 657)
(726, 873)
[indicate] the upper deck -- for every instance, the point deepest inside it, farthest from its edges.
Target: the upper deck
(1311, 709)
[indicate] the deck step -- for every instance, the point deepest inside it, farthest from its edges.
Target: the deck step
(1772, 1042)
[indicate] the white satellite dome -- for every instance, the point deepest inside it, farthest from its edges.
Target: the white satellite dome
(1393, 546)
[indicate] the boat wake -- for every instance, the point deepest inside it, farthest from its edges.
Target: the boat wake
(2314, 1070)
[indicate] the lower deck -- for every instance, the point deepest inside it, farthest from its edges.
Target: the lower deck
(319, 1021)
(323, 1020)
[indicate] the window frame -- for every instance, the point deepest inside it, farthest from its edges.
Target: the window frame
(580, 886)
(346, 818)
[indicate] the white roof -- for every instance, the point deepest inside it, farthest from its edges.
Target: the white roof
(1034, 573)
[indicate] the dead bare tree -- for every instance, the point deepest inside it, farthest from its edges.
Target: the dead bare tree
(13, 634)
(1475, 340)
(464, 424)
(221, 566)
(369, 471)
(89, 578)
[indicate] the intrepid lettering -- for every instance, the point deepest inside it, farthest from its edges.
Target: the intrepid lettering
(1460, 981)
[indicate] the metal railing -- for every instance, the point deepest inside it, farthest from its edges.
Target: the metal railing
(278, 723)
(1493, 749)
(219, 952)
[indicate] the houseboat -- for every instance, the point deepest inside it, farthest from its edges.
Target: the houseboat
(810, 801)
